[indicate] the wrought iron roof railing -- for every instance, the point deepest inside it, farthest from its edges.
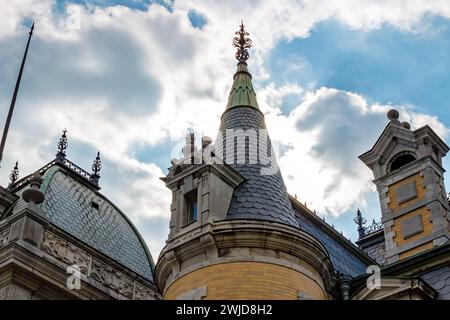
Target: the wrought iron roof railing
(65, 163)
(374, 227)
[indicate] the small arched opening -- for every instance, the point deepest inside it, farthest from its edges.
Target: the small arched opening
(402, 160)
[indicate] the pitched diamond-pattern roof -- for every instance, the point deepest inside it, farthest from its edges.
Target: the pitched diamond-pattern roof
(260, 196)
(68, 204)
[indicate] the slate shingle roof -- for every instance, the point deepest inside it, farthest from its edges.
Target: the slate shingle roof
(439, 279)
(342, 258)
(264, 196)
(68, 205)
(261, 196)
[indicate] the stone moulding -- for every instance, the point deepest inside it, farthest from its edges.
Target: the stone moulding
(4, 237)
(49, 247)
(246, 240)
(65, 252)
(117, 283)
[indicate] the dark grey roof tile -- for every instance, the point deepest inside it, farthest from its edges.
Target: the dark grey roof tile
(67, 204)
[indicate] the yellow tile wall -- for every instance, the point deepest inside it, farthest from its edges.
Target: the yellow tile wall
(427, 226)
(416, 250)
(393, 194)
(247, 280)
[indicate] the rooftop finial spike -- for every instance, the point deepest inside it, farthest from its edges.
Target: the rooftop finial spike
(360, 221)
(62, 146)
(242, 43)
(96, 167)
(14, 173)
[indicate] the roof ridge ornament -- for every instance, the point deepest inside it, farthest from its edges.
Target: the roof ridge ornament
(242, 43)
(33, 194)
(96, 167)
(62, 146)
(14, 173)
(360, 221)
(393, 116)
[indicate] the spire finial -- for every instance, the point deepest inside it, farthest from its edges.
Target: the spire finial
(62, 146)
(96, 167)
(360, 221)
(14, 173)
(242, 43)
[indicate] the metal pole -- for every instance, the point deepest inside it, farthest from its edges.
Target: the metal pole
(13, 101)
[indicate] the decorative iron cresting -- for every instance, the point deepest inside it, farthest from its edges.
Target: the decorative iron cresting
(363, 230)
(65, 162)
(375, 226)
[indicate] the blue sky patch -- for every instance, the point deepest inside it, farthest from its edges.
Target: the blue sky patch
(385, 65)
(197, 19)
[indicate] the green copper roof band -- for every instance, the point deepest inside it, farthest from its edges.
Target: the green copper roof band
(242, 93)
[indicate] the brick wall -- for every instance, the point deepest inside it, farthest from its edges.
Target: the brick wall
(247, 280)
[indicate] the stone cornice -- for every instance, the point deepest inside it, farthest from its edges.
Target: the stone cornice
(224, 171)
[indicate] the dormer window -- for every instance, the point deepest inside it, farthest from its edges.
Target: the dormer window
(191, 207)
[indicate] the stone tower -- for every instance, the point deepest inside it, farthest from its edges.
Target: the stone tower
(408, 172)
(233, 231)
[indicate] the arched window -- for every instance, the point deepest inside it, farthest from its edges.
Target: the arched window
(402, 160)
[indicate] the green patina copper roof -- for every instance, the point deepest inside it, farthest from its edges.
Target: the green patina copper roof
(242, 92)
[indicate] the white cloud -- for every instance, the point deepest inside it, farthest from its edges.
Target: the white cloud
(324, 136)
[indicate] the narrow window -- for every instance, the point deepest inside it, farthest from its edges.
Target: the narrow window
(192, 207)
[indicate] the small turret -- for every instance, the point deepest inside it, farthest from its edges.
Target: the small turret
(408, 172)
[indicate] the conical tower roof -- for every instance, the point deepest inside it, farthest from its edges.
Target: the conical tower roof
(243, 143)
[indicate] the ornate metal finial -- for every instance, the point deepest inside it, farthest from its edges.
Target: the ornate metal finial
(96, 167)
(14, 173)
(62, 146)
(360, 221)
(242, 43)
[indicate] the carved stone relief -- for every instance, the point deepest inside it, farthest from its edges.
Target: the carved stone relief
(143, 293)
(112, 278)
(65, 252)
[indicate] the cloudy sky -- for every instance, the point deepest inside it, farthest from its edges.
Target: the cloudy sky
(131, 77)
